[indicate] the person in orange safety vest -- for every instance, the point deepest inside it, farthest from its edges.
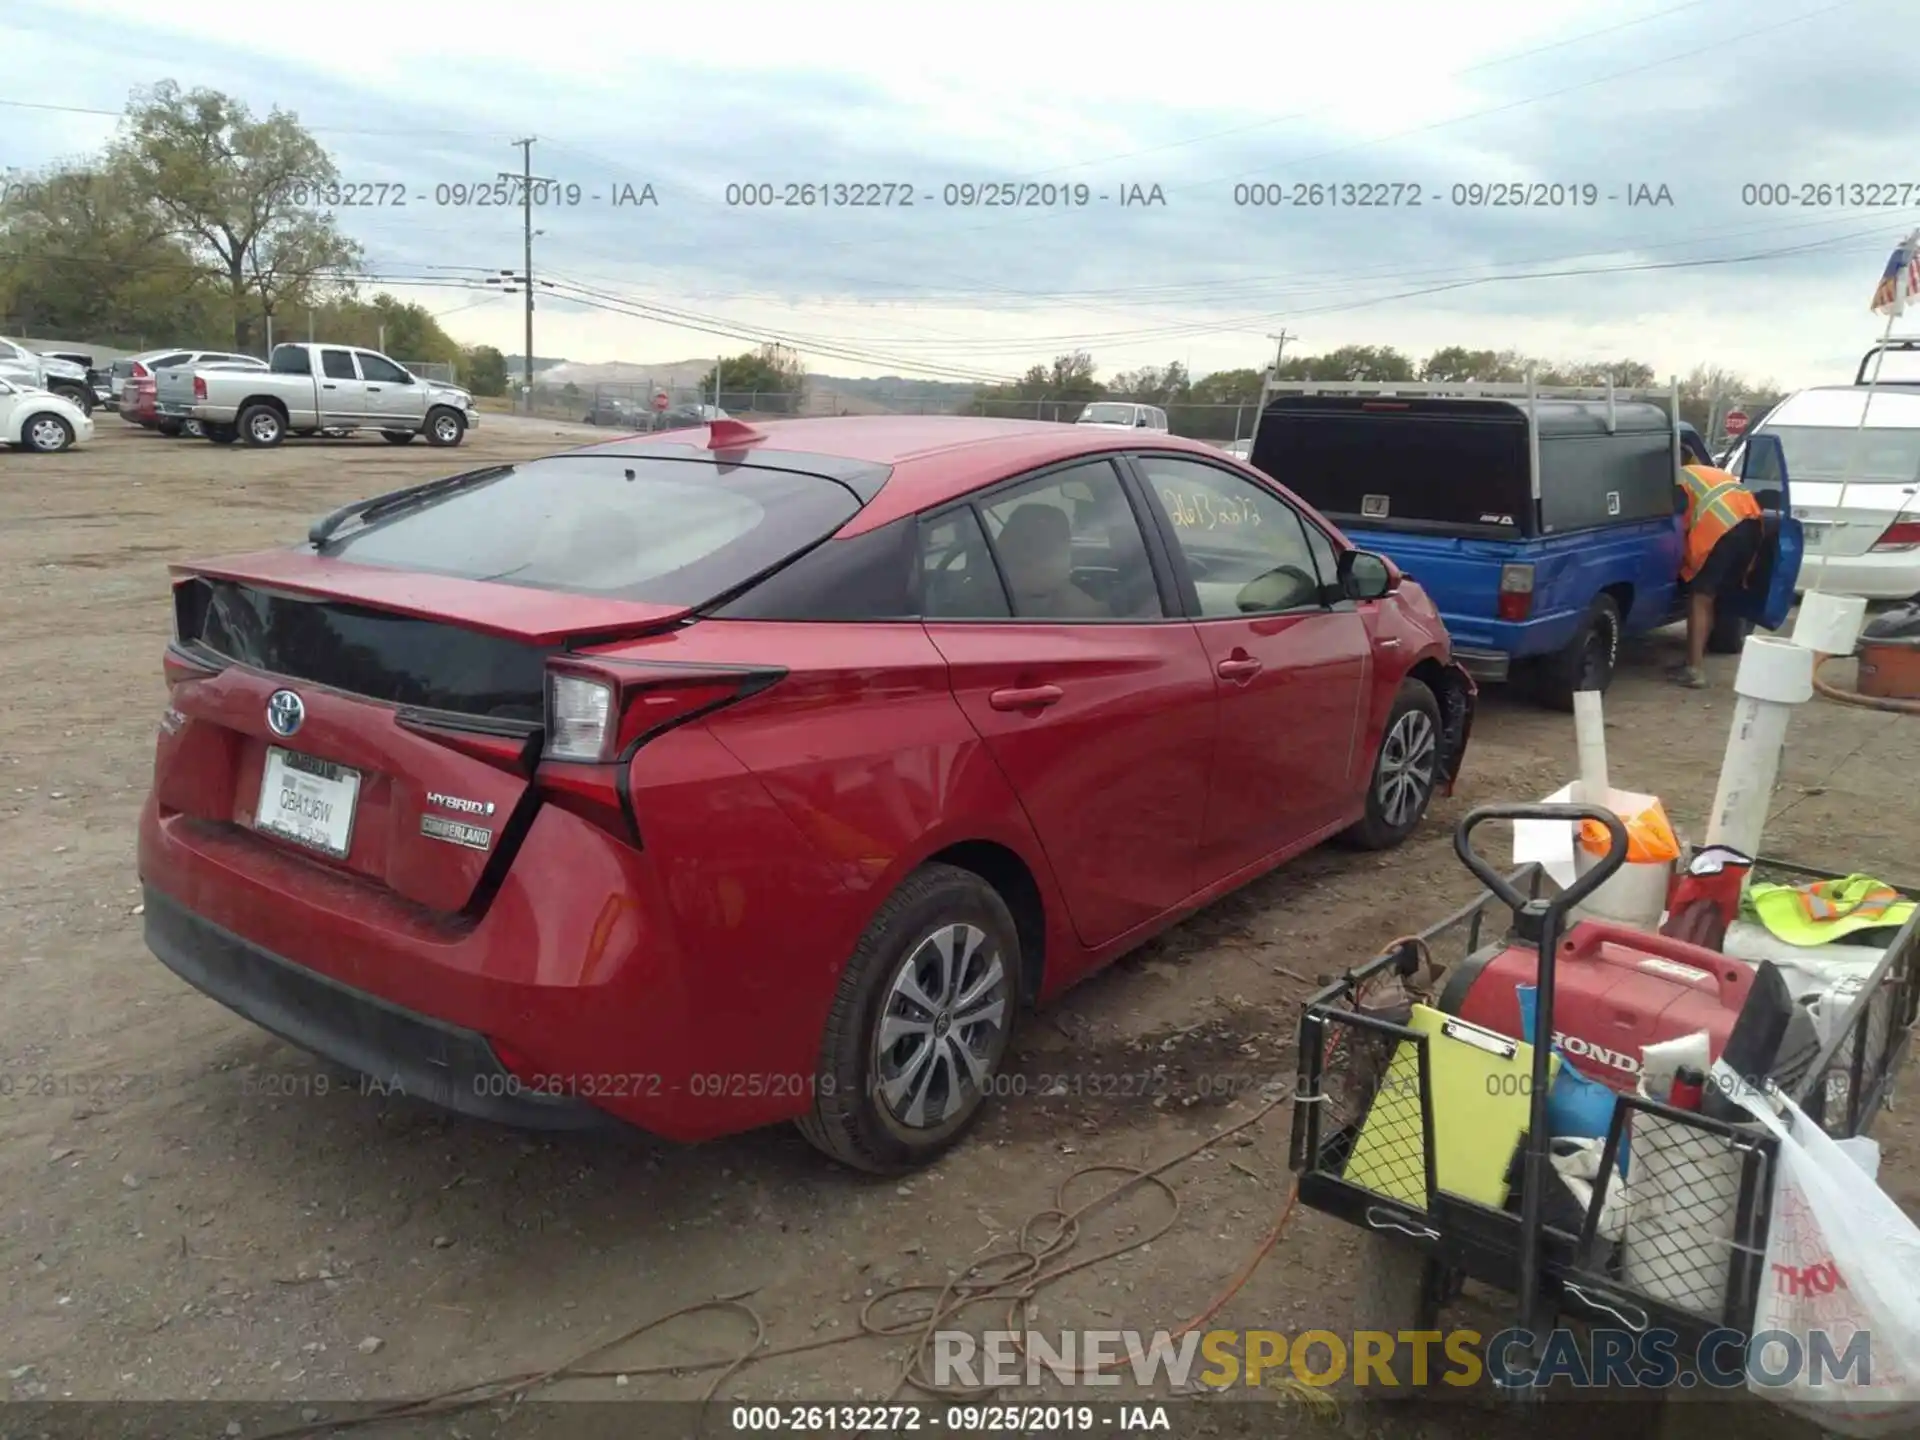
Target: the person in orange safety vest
(1726, 535)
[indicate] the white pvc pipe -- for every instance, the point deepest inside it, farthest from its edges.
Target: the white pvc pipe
(1774, 676)
(1590, 734)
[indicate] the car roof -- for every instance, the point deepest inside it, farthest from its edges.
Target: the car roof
(1840, 405)
(932, 458)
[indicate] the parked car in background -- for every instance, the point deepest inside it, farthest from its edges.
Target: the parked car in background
(137, 379)
(33, 370)
(617, 410)
(1124, 416)
(712, 780)
(41, 421)
(1870, 543)
(99, 382)
(687, 417)
(309, 388)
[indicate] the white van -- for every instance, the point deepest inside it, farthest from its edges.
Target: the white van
(1124, 415)
(1871, 546)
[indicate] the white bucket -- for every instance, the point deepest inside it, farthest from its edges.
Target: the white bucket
(1636, 895)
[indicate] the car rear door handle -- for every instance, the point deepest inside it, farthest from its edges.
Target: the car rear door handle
(1030, 697)
(1242, 668)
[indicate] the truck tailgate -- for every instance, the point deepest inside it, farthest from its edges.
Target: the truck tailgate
(173, 390)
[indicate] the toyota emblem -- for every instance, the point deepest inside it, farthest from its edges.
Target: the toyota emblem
(285, 712)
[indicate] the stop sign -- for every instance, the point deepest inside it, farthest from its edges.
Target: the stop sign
(660, 402)
(1736, 422)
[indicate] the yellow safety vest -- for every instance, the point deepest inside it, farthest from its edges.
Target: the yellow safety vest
(1716, 502)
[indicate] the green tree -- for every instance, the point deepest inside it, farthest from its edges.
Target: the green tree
(82, 255)
(770, 370)
(1350, 362)
(1150, 385)
(1228, 387)
(402, 330)
(485, 369)
(238, 194)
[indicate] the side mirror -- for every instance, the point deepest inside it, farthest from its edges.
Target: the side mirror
(1364, 575)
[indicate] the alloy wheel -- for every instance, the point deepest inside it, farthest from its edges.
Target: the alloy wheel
(1407, 768)
(942, 1027)
(446, 429)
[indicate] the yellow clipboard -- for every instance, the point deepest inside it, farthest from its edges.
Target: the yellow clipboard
(1482, 1100)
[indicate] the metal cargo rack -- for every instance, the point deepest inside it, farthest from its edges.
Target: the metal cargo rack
(1526, 391)
(1682, 1282)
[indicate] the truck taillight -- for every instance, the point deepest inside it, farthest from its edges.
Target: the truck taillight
(1516, 592)
(1902, 534)
(199, 387)
(599, 714)
(140, 372)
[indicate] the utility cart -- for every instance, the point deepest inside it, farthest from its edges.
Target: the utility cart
(1675, 1245)
(1541, 520)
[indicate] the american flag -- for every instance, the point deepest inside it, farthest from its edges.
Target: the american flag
(1900, 285)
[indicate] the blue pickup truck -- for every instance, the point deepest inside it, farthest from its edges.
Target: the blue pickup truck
(1541, 521)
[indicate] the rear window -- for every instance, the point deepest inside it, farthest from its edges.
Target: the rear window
(1819, 452)
(290, 360)
(658, 531)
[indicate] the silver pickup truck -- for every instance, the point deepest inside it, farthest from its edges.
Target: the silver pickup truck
(306, 389)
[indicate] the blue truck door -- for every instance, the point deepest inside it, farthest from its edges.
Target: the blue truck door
(1763, 470)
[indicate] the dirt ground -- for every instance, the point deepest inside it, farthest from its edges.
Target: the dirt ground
(189, 1208)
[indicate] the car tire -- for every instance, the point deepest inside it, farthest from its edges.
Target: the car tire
(1588, 661)
(262, 426)
(944, 937)
(445, 426)
(219, 434)
(398, 437)
(80, 395)
(172, 429)
(1406, 770)
(46, 433)
(1729, 634)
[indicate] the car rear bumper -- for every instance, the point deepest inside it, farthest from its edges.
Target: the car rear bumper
(658, 995)
(1888, 575)
(404, 1053)
(1486, 666)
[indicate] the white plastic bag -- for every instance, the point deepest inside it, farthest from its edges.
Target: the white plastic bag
(1842, 1259)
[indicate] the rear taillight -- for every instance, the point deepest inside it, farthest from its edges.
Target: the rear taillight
(1516, 592)
(140, 372)
(599, 714)
(199, 387)
(1902, 534)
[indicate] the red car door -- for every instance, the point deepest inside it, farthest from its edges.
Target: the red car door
(1292, 670)
(1098, 708)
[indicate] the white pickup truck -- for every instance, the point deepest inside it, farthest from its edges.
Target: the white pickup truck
(309, 388)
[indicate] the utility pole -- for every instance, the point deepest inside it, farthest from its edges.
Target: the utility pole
(1279, 349)
(526, 211)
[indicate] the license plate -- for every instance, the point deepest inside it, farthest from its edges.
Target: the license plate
(308, 801)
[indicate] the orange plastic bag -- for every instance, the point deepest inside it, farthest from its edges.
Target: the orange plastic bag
(1650, 838)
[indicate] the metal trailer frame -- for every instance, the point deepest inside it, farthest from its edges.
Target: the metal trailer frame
(1847, 1085)
(1528, 391)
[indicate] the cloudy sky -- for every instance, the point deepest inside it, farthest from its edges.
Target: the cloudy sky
(1712, 111)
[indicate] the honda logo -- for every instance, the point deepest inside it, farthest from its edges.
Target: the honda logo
(1600, 1055)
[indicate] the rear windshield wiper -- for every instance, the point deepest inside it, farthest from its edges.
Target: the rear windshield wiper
(386, 504)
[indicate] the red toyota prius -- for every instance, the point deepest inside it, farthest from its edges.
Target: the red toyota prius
(743, 775)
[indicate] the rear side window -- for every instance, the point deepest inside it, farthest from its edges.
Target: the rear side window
(658, 531)
(338, 365)
(958, 580)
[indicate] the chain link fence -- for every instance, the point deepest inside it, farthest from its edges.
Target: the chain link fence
(437, 371)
